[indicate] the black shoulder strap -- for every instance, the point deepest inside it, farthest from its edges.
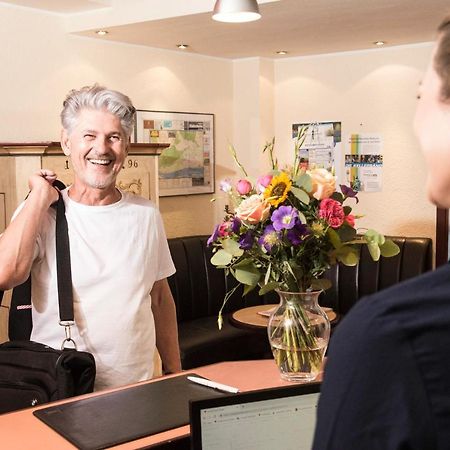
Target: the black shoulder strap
(20, 321)
(63, 269)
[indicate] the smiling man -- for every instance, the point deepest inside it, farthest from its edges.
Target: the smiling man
(120, 258)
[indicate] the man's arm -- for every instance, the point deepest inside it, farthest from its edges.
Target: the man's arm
(164, 312)
(18, 240)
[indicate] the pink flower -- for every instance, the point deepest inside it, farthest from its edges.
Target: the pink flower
(253, 209)
(350, 219)
(224, 229)
(263, 181)
(244, 187)
(332, 211)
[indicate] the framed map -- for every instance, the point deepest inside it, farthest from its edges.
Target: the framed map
(187, 166)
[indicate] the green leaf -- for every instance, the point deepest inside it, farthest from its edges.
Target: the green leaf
(304, 181)
(349, 256)
(374, 241)
(389, 248)
(302, 217)
(221, 258)
(267, 276)
(346, 233)
(243, 263)
(347, 210)
(321, 284)
(247, 274)
(248, 288)
(300, 194)
(269, 287)
(374, 250)
(334, 238)
(338, 197)
(374, 236)
(232, 247)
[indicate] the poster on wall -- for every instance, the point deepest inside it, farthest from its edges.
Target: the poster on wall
(321, 147)
(187, 165)
(363, 162)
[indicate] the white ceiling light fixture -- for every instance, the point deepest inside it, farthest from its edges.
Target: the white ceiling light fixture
(236, 11)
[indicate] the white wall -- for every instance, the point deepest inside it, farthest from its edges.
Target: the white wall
(369, 91)
(41, 63)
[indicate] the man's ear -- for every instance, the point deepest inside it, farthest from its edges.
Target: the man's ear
(65, 142)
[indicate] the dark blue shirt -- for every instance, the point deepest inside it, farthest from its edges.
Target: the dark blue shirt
(387, 378)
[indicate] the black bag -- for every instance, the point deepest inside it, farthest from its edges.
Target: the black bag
(32, 373)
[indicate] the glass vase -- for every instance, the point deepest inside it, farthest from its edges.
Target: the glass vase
(299, 331)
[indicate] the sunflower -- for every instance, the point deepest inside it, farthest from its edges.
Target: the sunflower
(278, 189)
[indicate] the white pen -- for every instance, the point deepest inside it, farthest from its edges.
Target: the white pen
(213, 385)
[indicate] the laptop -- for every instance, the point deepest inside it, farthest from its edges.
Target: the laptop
(268, 419)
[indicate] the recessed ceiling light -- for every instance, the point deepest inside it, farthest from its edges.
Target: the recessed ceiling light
(282, 52)
(182, 46)
(102, 32)
(379, 43)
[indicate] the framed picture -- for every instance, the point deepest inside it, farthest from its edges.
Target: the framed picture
(187, 166)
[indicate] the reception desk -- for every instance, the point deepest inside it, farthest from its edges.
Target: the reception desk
(22, 430)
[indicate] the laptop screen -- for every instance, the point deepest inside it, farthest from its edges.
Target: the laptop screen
(276, 418)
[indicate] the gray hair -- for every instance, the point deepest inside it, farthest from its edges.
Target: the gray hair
(97, 98)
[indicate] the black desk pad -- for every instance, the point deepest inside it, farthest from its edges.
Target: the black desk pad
(121, 416)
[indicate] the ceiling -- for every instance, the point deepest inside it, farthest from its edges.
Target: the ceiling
(299, 27)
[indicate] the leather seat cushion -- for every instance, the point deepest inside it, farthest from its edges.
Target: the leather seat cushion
(202, 343)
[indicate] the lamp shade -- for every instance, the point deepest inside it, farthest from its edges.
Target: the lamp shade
(236, 11)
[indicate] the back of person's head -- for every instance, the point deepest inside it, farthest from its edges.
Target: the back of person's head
(97, 98)
(442, 58)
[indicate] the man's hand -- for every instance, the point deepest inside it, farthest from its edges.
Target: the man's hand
(18, 242)
(41, 183)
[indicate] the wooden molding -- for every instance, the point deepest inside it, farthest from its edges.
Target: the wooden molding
(54, 148)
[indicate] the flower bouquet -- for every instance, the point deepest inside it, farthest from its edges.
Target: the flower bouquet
(282, 231)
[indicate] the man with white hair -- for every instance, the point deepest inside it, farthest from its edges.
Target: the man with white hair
(120, 258)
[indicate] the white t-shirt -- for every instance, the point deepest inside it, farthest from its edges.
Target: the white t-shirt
(117, 252)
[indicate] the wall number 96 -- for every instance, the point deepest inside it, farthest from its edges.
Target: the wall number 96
(131, 163)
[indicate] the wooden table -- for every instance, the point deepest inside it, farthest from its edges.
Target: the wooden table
(250, 318)
(21, 430)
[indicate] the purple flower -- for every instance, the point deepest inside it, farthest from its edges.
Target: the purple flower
(246, 241)
(269, 238)
(225, 185)
(349, 192)
(297, 234)
(284, 218)
(235, 225)
(214, 236)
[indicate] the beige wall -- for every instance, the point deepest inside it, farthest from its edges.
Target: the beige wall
(371, 91)
(41, 63)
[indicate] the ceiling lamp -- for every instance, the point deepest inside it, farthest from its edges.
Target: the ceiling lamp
(236, 11)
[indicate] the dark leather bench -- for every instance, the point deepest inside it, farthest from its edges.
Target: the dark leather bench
(199, 288)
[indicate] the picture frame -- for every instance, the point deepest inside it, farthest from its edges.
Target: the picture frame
(187, 166)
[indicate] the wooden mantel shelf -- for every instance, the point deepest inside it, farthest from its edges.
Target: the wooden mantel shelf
(54, 148)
